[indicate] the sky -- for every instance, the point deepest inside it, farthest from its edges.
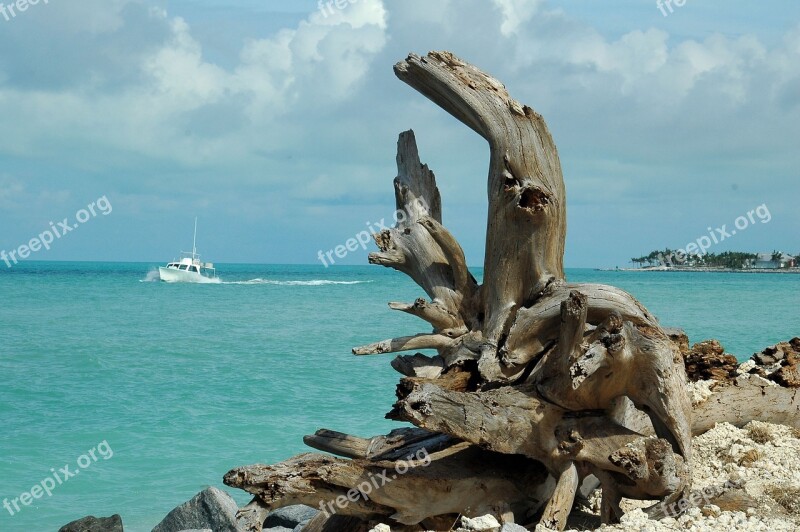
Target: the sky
(276, 124)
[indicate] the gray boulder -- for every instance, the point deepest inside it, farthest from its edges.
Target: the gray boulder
(511, 527)
(210, 509)
(301, 526)
(289, 516)
(94, 524)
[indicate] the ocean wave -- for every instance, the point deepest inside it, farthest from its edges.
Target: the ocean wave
(314, 282)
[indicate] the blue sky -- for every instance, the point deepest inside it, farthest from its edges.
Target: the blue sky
(276, 125)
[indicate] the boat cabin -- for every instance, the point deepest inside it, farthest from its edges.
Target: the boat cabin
(187, 265)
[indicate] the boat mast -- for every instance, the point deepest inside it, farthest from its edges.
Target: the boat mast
(194, 242)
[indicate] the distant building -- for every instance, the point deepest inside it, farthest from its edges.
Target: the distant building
(766, 261)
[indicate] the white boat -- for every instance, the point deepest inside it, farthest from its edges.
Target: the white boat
(189, 268)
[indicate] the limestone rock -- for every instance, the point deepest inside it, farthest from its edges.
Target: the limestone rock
(777, 353)
(484, 523)
(708, 360)
(789, 373)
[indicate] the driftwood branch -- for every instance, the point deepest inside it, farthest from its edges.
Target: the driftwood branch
(463, 280)
(461, 479)
(439, 317)
(527, 210)
(409, 247)
(406, 343)
(515, 420)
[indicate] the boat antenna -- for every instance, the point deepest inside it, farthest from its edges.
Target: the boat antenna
(194, 242)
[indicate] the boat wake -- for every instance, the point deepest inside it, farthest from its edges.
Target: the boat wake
(154, 277)
(315, 282)
(151, 277)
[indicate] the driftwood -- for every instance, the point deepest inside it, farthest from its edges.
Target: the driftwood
(557, 351)
(533, 384)
(411, 476)
(724, 391)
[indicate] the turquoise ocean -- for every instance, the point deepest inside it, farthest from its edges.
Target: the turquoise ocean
(184, 382)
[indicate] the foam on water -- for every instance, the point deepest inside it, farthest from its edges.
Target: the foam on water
(151, 277)
(154, 277)
(313, 282)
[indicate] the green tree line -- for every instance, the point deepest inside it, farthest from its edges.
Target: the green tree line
(735, 260)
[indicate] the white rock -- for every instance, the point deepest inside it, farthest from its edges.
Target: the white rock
(745, 367)
(512, 527)
(779, 465)
(700, 391)
(484, 523)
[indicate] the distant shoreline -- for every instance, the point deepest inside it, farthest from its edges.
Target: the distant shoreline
(700, 270)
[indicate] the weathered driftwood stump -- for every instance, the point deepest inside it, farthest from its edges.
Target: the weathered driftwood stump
(522, 399)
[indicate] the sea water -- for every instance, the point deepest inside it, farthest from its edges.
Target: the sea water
(180, 383)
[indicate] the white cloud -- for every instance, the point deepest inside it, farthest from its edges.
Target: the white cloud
(318, 63)
(299, 113)
(516, 13)
(182, 107)
(180, 74)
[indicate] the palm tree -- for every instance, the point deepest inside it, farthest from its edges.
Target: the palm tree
(777, 256)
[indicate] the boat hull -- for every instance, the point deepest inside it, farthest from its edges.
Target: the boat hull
(171, 275)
